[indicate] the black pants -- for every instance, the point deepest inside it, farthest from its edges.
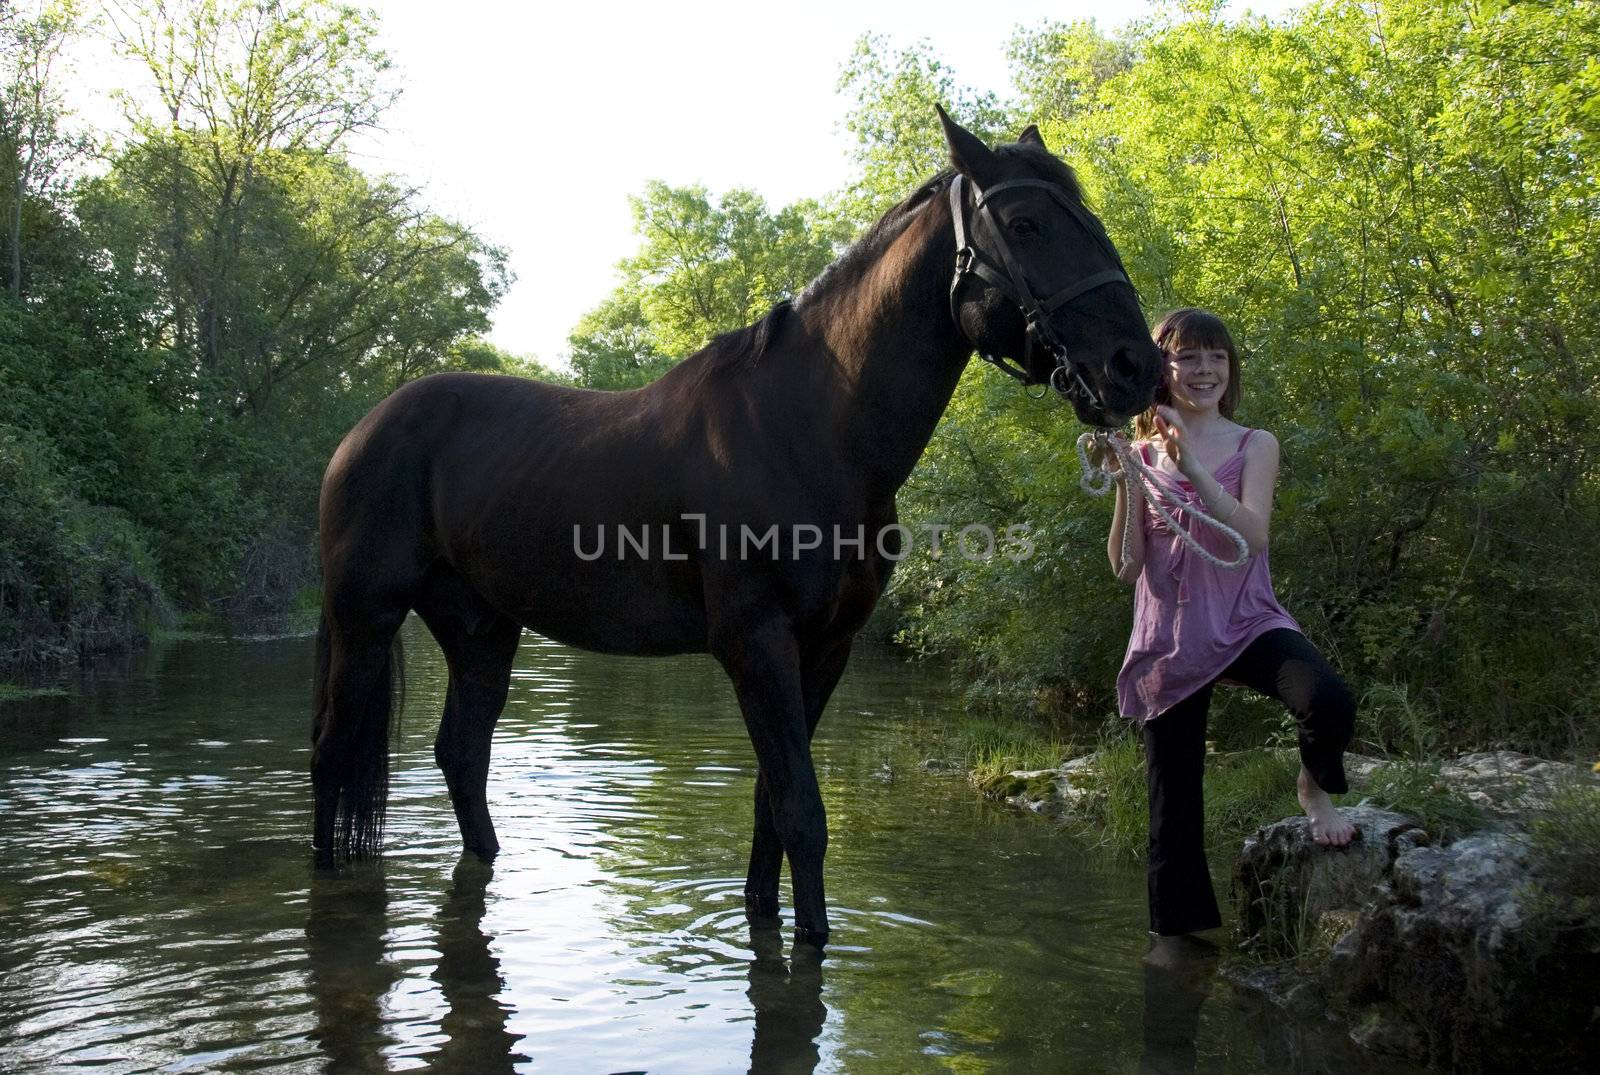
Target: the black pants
(1284, 665)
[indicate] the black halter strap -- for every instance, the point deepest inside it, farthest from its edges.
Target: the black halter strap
(1012, 282)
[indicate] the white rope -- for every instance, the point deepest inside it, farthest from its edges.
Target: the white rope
(1097, 480)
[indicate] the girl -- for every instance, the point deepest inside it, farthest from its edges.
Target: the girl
(1196, 624)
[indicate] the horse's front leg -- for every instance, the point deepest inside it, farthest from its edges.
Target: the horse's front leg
(763, 660)
(819, 674)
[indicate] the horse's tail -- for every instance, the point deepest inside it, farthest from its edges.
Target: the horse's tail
(361, 762)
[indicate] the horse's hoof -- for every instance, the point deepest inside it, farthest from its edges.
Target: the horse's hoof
(816, 938)
(760, 906)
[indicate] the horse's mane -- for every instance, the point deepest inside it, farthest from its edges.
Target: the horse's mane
(740, 345)
(748, 344)
(861, 254)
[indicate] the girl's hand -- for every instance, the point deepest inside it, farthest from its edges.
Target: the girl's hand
(1105, 458)
(1173, 434)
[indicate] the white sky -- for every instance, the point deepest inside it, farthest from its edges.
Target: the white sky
(532, 123)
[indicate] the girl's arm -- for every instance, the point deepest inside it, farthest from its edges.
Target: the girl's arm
(1128, 514)
(1251, 514)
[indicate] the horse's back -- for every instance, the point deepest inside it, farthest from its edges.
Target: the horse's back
(495, 478)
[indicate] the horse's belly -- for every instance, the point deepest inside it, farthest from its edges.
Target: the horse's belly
(612, 608)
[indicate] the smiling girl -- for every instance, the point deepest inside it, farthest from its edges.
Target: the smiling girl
(1196, 624)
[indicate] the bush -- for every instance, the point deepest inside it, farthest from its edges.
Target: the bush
(73, 578)
(1565, 841)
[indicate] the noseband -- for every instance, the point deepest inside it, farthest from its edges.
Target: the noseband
(1010, 281)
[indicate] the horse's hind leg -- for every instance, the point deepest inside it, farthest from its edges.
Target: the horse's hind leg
(480, 646)
(818, 677)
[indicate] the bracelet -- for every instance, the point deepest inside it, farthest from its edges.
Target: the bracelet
(1237, 504)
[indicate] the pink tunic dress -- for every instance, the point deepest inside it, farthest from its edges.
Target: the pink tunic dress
(1191, 619)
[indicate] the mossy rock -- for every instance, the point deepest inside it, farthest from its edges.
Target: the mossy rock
(1001, 786)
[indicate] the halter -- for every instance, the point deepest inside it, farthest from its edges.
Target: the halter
(1012, 283)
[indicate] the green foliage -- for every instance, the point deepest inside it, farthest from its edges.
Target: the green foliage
(614, 347)
(326, 279)
(73, 577)
(703, 267)
(1418, 789)
(1565, 842)
(190, 332)
(898, 139)
(1411, 276)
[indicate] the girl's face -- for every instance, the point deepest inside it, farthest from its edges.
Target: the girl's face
(1197, 377)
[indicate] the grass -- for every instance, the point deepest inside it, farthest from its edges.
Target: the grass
(1412, 782)
(991, 748)
(1417, 789)
(1244, 789)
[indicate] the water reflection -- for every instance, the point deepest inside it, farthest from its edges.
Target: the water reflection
(1173, 997)
(156, 912)
(468, 976)
(787, 998)
(350, 973)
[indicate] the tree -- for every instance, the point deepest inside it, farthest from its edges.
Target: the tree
(250, 95)
(703, 267)
(329, 278)
(1391, 204)
(899, 143)
(34, 148)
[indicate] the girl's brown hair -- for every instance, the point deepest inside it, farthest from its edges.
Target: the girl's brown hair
(1190, 327)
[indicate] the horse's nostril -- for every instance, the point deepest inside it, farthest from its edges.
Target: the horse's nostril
(1123, 366)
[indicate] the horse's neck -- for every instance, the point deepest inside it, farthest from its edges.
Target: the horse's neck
(898, 354)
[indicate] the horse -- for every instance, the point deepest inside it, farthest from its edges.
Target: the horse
(476, 500)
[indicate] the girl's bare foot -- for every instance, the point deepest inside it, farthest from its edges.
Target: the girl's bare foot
(1328, 826)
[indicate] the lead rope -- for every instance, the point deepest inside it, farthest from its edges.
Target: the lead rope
(1097, 481)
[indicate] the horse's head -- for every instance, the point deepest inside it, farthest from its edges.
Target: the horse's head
(1038, 281)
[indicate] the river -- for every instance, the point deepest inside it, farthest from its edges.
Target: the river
(158, 911)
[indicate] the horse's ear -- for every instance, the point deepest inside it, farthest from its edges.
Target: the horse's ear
(970, 156)
(1031, 137)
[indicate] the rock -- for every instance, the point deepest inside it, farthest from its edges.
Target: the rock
(1505, 783)
(1358, 767)
(1291, 891)
(1441, 954)
(1281, 985)
(1380, 1031)
(1450, 954)
(1045, 791)
(940, 765)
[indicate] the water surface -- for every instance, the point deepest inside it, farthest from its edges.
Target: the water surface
(158, 911)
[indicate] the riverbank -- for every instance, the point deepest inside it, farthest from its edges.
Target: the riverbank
(1460, 930)
(1093, 784)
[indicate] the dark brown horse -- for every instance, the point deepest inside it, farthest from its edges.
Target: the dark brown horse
(481, 501)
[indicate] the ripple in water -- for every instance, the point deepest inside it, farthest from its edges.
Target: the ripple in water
(158, 912)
